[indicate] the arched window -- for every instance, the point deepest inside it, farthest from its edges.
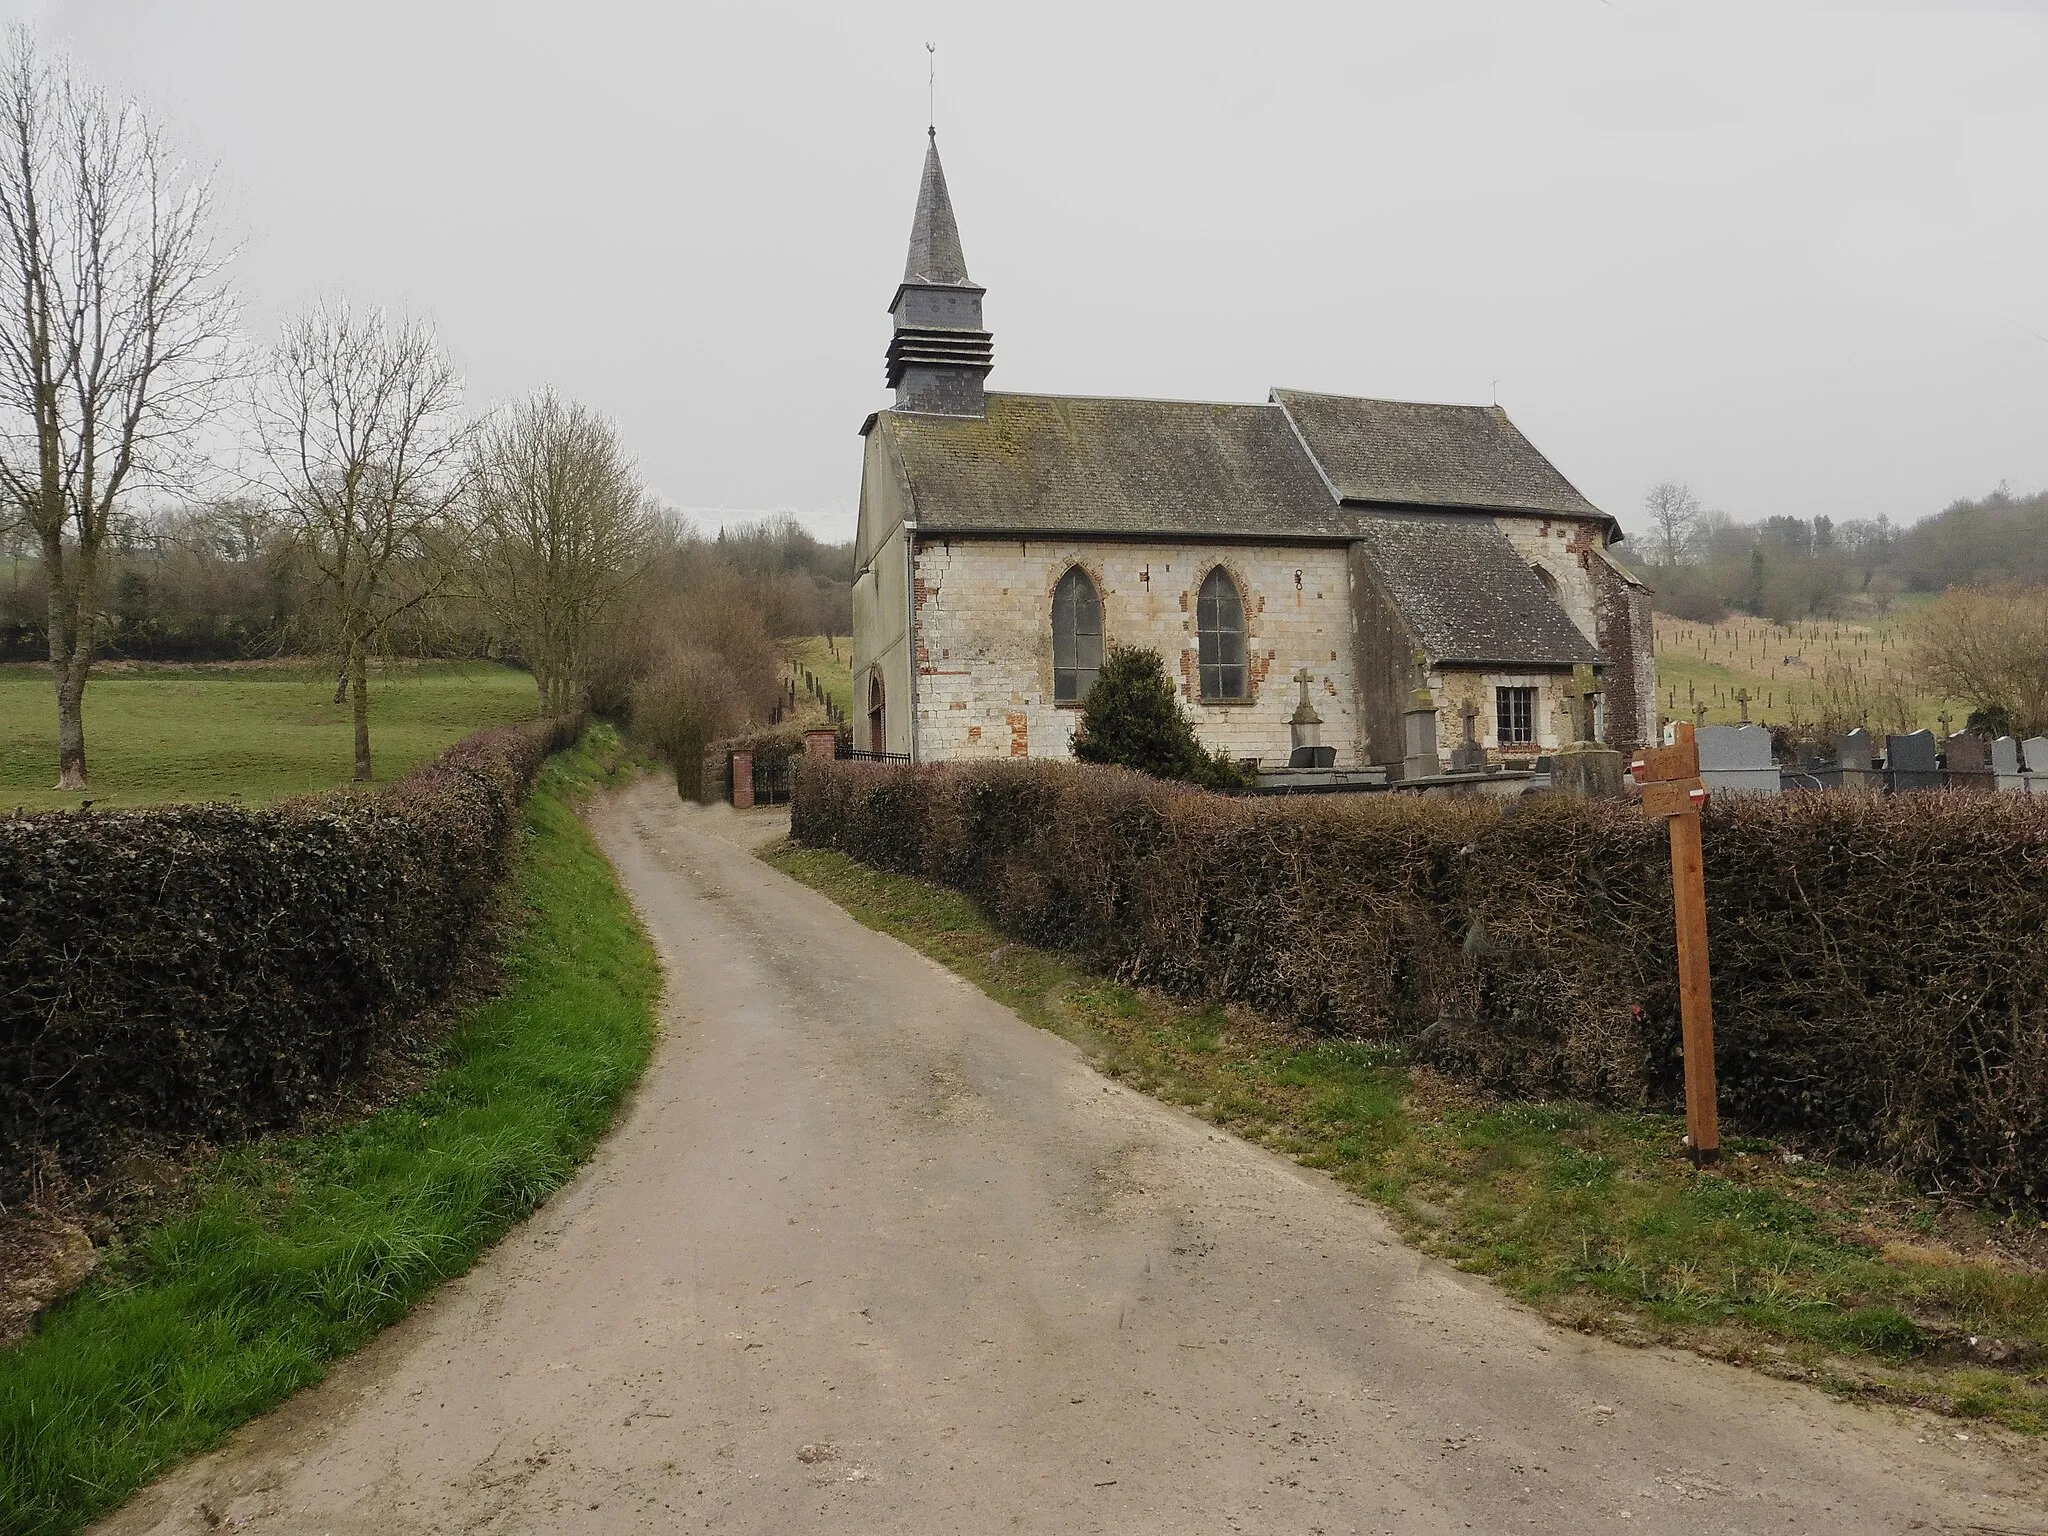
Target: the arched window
(878, 734)
(1076, 637)
(1219, 632)
(1549, 581)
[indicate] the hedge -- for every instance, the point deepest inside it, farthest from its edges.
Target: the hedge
(205, 972)
(1880, 963)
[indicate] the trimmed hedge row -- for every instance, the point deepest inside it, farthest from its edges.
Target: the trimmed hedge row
(1880, 963)
(202, 971)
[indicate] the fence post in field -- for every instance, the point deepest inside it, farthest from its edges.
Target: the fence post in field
(1670, 777)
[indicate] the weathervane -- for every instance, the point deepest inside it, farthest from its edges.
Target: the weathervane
(931, 91)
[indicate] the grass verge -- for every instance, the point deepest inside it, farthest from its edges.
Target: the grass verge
(291, 1252)
(1837, 1276)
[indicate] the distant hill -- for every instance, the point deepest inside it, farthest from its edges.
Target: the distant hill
(1788, 568)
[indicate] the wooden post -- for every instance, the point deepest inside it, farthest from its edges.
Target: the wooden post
(1670, 777)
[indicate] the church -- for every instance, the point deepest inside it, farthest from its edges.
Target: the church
(1380, 557)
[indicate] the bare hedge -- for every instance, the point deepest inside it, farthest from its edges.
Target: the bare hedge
(203, 971)
(1880, 963)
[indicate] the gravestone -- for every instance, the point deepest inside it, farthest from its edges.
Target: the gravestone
(1418, 732)
(1306, 728)
(1468, 756)
(2005, 766)
(1736, 760)
(1814, 765)
(1910, 763)
(1852, 760)
(1584, 766)
(1969, 764)
(2034, 759)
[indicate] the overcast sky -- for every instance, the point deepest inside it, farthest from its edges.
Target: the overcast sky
(1795, 256)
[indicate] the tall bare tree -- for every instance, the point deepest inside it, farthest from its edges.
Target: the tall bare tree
(562, 536)
(359, 428)
(1675, 514)
(114, 334)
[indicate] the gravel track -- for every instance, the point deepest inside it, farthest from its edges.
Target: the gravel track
(867, 1253)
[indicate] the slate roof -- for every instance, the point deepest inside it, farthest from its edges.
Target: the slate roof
(1466, 593)
(935, 254)
(1398, 453)
(1078, 465)
(1415, 486)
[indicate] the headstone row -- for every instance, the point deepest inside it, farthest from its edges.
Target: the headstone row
(1737, 759)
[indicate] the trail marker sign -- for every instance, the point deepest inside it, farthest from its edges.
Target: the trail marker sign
(1670, 777)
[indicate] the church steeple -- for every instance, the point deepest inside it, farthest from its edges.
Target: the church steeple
(939, 353)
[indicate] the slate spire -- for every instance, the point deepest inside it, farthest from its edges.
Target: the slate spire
(939, 353)
(935, 255)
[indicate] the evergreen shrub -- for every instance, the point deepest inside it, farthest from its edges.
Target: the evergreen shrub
(203, 972)
(1880, 963)
(1133, 719)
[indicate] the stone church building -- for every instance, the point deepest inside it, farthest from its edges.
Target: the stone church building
(1385, 547)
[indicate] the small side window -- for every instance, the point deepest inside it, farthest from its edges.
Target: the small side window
(1514, 715)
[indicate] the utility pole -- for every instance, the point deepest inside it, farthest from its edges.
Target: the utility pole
(1670, 777)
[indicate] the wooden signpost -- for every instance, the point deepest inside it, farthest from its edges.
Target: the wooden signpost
(1670, 777)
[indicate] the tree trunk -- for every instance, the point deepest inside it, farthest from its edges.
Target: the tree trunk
(541, 683)
(70, 617)
(71, 722)
(359, 688)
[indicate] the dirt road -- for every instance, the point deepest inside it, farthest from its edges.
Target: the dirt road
(868, 1254)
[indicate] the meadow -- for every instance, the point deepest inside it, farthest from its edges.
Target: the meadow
(252, 733)
(1832, 672)
(830, 661)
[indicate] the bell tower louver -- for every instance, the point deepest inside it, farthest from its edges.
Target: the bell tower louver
(939, 353)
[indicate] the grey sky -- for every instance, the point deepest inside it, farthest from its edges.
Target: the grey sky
(1792, 255)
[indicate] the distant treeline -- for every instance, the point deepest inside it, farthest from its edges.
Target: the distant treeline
(220, 582)
(1703, 564)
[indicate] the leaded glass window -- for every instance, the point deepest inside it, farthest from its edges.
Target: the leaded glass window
(1076, 637)
(1219, 631)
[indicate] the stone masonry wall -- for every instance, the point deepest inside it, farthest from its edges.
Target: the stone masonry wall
(984, 640)
(1607, 607)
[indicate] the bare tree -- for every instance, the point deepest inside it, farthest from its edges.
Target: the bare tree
(563, 535)
(114, 331)
(1674, 513)
(1988, 646)
(358, 425)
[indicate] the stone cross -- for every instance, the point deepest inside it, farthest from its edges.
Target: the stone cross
(1586, 690)
(1944, 720)
(1742, 698)
(1470, 714)
(1699, 713)
(1304, 677)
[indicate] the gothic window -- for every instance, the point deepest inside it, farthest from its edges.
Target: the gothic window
(1549, 581)
(1076, 637)
(878, 734)
(1219, 633)
(1514, 716)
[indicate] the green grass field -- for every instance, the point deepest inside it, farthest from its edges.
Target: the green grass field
(253, 733)
(292, 1251)
(830, 662)
(1837, 1276)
